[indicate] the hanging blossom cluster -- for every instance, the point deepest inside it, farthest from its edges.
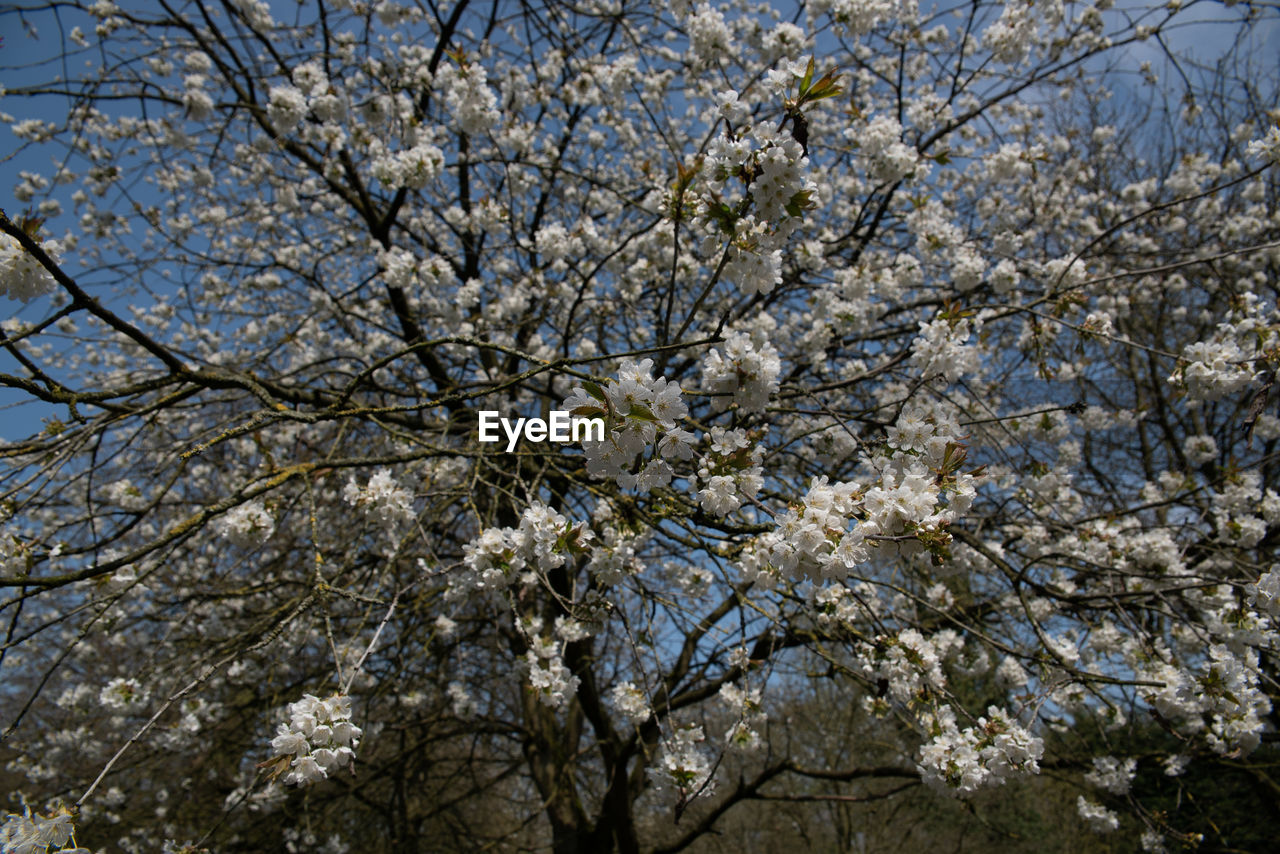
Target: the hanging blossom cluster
(931, 435)
(1266, 148)
(22, 277)
(943, 347)
(908, 664)
(1265, 592)
(123, 696)
(749, 716)
(1242, 511)
(813, 540)
(886, 157)
(683, 771)
(644, 436)
(629, 701)
(549, 678)
(839, 606)
(124, 494)
(309, 94)
(858, 17)
(613, 554)
(1223, 701)
(15, 555)
(759, 224)
(1010, 37)
(319, 738)
(418, 160)
(710, 38)
(985, 755)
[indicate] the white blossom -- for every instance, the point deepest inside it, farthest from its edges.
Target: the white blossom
(987, 754)
(22, 277)
(319, 738)
(1098, 817)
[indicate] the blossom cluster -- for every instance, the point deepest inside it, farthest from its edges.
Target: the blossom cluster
(1223, 700)
(749, 716)
(1099, 818)
(902, 511)
(1111, 774)
(309, 94)
(814, 539)
(1266, 148)
(683, 770)
(542, 541)
(859, 17)
(247, 524)
(15, 555)
(382, 498)
(745, 369)
(470, 101)
(888, 158)
(549, 677)
(837, 606)
(613, 554)
(985, 755)
(730, 472)
(1265, 592)
(943, 347)
(319, 738)
(758, 188)
(1227, 361)
(908, 664)
(630, 702)
(640, 411)
(122, 695)
(124, 494)
(923, 432)
(413, 167)
(1011, 36)
(22, 277)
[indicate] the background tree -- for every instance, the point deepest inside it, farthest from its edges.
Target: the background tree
(934, 346)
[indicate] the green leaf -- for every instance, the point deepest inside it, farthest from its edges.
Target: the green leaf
(594, 390)
(824, 88)
(639, 410)
(808, 76)
(799, 203)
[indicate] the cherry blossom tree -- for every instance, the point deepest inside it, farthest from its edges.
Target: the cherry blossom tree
(933, 346)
